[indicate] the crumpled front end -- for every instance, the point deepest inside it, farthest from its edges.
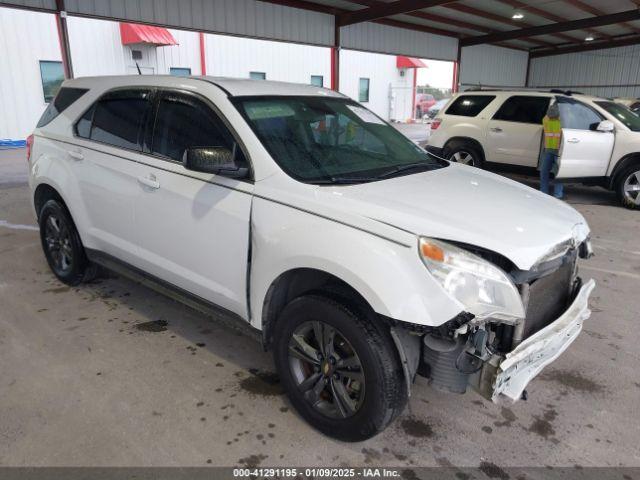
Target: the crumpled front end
(521, 365)
(498, 356)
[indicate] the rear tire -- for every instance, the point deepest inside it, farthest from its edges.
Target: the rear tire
(350, 386)
(464, 153)
(628, 187)
(61, 244)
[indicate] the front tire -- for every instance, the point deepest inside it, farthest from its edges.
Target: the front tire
(61, 243)
(628, 187)
(340, 371)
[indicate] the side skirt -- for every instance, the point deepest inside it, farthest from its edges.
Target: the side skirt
(211, 310)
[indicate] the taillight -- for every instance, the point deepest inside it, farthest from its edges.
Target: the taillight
(435, 123)
(29, 147)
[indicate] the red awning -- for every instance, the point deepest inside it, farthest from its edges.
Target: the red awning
(135, 33)
(409, 62)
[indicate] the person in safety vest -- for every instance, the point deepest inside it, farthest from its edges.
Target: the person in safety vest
(550, 147)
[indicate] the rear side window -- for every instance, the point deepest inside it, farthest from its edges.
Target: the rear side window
(65, 97)
(523, 109)
(469, 105)
(183, 122)
(118, 119)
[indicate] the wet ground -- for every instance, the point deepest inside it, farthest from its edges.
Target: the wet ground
(111, 373)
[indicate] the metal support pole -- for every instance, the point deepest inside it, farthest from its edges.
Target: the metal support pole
(456, 70)
(63, 38)
(203, 58)
(335, 58)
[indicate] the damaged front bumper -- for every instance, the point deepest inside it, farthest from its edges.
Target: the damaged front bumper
(511, 376)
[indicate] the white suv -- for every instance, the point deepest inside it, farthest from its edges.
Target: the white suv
(600, 137)
(360, 259)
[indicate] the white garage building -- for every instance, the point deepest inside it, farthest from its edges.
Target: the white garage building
(101, 47)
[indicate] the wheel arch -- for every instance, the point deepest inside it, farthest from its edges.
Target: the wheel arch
(463, 139)
(621, 165)
(299, 281)
(42, 194)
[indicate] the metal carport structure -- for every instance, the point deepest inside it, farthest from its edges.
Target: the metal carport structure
(493, 41)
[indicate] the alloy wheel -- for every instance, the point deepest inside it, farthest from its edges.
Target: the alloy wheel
(58, 242)
(326, 369)
(462, 157)
(631, 188)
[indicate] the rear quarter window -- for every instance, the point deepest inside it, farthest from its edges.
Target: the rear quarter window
(65, 97)
(469, 105)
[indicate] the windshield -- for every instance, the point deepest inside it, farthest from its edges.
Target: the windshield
(331, 140)
(630, 119)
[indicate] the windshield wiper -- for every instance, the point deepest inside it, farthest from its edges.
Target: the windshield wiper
(342, 180)
(409, 166)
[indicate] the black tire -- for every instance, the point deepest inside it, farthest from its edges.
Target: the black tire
(374, 402)
(627, 180)
(463, 152)
(61, 244)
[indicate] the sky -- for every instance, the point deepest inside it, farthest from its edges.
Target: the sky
(439, 74)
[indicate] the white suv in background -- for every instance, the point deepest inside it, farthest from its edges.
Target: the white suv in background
(360, 259)
(600, 137)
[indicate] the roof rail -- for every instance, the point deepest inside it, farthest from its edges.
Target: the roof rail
(498, 88)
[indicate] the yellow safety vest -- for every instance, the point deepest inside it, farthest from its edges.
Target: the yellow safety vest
(552, 133)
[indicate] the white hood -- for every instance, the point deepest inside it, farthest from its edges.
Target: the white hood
(467, 205)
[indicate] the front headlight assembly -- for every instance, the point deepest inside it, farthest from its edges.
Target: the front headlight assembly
(482, 288)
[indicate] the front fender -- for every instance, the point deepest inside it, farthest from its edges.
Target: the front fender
(388, 274)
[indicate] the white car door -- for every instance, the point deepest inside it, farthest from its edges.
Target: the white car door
(515, 131)
(585, 151)
(110, 136)
(193, 227)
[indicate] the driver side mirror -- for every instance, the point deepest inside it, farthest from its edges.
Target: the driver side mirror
(605, 126)
(216, 160)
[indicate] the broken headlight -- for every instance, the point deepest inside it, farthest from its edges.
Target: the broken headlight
(480, 287)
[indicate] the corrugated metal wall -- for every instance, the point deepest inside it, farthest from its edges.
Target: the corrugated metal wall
(229, 56)
(614, 72)
(238, 17)
(384, 39)
(40, 4)
(21, 95)
(491, 65)
(257, 19)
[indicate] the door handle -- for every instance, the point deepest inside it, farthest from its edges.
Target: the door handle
(149, 181)
(76, 154)
(573, 140)
(496, 129)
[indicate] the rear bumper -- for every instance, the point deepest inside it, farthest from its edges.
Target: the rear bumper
(527, 360)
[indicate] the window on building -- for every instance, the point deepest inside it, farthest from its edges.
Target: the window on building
(52, 75)
(523, 109)
(576, 115)
(119, 119)
(469, 105)
(257, 75)
(180, 71)
(363, 90)
(317, 80)
(183, 122)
